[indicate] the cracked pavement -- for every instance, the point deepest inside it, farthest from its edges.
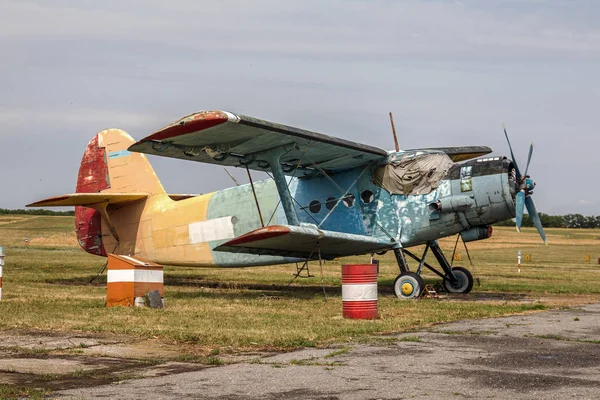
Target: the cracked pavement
(542, 355)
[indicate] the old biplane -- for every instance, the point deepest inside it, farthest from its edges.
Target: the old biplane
(328, 197)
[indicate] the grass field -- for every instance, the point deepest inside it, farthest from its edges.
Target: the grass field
(46, 286)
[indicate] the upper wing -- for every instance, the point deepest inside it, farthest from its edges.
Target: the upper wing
(224, 138)
(462, 153)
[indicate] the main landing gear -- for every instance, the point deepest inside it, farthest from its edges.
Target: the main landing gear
(409, 285)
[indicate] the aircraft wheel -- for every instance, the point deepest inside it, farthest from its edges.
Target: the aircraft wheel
(408, 285)
(464, 283)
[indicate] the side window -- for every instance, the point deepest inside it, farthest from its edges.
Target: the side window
(314, 206)
(367, 196)
(349, 200)
(330, 203)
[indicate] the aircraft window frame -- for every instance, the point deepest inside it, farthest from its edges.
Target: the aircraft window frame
(315, 206)
(330, 203)
(349, 200)
(368, 195)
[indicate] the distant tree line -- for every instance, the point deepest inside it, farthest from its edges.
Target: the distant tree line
(559, 221)
(5, 211)
(548, 221)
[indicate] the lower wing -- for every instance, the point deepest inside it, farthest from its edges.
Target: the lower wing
(304, 242)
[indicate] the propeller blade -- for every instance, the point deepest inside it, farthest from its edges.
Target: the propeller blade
(529, 158)
(535, 218)
(519, 208)
(511, 153)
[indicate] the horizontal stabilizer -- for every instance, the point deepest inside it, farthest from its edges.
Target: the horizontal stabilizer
(88, 199)
(302, 241)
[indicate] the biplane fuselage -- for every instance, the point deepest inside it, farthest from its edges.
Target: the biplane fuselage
(123, 209)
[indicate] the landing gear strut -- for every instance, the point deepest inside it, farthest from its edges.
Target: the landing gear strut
(409, 285)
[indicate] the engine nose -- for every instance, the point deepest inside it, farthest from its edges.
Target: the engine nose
(529, 184)
(525, 190)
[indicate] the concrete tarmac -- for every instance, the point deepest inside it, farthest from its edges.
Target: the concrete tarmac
(545, 355)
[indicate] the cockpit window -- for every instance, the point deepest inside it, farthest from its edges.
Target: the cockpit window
(412, 174)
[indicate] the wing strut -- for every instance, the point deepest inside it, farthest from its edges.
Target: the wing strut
(273, 157)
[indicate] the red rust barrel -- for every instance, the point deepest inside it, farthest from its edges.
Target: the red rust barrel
(359, 291)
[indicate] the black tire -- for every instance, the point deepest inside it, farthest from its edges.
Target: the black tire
(464, 284)
(408, 285)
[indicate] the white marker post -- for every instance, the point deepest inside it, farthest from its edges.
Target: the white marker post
(1, 266)
(519, 261)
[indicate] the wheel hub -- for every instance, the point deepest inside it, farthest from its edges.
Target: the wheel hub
(407, 288)
(458, 283)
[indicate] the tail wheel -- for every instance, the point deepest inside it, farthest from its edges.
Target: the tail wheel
(464, 281)
(408, 285)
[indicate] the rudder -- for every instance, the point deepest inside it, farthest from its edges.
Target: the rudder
(108, 167)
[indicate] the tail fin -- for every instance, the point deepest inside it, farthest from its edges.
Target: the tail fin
(108, 167)
(109, 176)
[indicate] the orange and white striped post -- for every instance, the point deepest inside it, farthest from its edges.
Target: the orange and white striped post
(130, 279)
(1, 267)
(359, 291)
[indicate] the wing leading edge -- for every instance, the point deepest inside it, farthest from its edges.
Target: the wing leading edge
(302, 242)
(224, 138)
(228, 139)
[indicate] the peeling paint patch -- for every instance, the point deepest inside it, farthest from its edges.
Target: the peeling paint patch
(119, 154)
(212, 229)
(92, 178)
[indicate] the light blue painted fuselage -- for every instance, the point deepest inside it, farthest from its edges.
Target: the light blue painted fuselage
(369, 209)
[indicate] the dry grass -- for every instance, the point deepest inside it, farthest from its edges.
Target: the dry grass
(46, 287)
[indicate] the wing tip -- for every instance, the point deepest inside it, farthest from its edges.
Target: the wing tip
(197, 121)
(49, 202)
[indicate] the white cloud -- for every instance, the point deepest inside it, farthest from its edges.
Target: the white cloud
(450, 71)
(334, 28)
(586, 202)
(97, 118)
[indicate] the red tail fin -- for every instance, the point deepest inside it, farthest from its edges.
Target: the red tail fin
(108, 167)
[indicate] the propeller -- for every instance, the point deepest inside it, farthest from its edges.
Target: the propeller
(523, 198)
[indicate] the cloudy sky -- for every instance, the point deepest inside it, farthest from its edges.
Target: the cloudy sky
(450, 71)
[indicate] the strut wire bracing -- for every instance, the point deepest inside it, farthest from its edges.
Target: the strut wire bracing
(468, 255)
(305, 265)
(104, 266)
(295, 201)
(345, 193)
(255, 198)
